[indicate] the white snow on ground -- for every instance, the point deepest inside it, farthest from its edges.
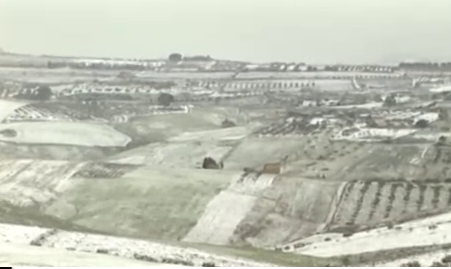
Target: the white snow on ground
(234, 133)
(19, 234)
(424, 232)
(122, 247)
(226, 210)
(431, 136)
(220, 219)
(27, 256)
(368, 134)
(7, 107)
(426, 259)
(66, 133)
(430, 117)
(446, 88)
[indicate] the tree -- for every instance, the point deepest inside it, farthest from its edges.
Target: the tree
(422, 124)
(165, 99)
(175, 57)
(44, 93)
(390, 100)
(227, 124)
(411, 264)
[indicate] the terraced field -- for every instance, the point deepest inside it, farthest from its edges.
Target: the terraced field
(46, 112)
(375, 201)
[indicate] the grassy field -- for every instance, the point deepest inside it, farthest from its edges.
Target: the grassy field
(150, 202)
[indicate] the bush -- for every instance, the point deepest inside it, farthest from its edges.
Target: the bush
(422, 124)
(348, 234)
(390, 225)
(412, 264)
(227, 124)
(175, 57)
(165, 99)
(44, 93)
(345, 261)
(177, 261)
(438, 264)
(208, 264)
(446, 259)
(142, 257)
(102, 251)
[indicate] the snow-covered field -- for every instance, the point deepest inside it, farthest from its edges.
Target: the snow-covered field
(425, 232)
(29, 256)
(65, 133)
(222, 215)
(7, 107)
(446, 88)
(234, 133)
(373, 134)
(122, 247)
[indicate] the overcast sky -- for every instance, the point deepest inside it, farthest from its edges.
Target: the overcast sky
(314, 31)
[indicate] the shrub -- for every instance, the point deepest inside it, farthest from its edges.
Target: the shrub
(345, 261)
(446, 259)
(165, 99)
(142, 257)
(208, 264)
(175, 57)
(412, 264)
(422, 124)
(390, 225)
(44, 93)
(102, 251)
(177, 261)
(348, 234)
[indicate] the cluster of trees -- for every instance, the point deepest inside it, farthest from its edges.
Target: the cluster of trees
(165, 99)
(178, 57)
(425, 65)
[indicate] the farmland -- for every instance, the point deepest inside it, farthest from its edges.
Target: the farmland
(222, 162)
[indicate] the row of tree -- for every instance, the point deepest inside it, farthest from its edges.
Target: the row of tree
(44, 93)
(425, 65)
(178, 57)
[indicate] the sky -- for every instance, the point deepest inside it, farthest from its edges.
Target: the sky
(311, 31)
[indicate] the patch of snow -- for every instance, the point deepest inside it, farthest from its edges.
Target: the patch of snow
(7, 107)
(410, 234)
(117, 246)
(64, 133)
